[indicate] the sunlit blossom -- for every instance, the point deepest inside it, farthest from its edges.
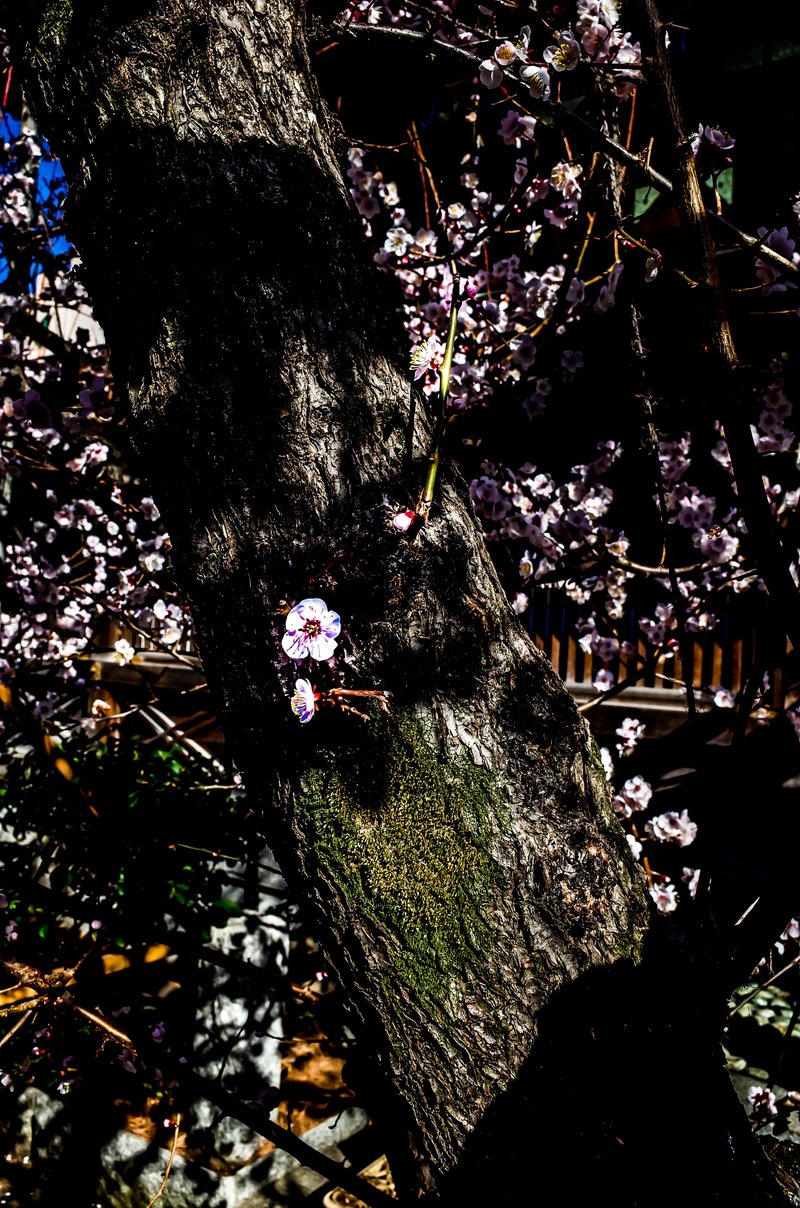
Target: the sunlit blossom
(123, 652)
(303, 700)
(565, 55)
(538, 81)
(634, 796)
(404, 520)
(311, 631)
(427, 355)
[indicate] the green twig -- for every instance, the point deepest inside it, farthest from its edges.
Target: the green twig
(426, 498)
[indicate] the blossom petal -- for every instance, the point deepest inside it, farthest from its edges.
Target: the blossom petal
(331, 624)
(491, 73)
(295, 645)
(295, 619)
(311, 606)
(322, 647)
(302, 701)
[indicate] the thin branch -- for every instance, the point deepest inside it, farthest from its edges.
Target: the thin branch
(772, 560)
(763, 985)
(12, 1031)
(556, 114)
(258, 1120)
(174, 1146)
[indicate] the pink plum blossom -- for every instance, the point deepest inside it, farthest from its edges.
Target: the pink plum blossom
(403, 520)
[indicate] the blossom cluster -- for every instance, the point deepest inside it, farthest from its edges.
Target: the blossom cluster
(648, 832)
(597, 40)
(83, 543)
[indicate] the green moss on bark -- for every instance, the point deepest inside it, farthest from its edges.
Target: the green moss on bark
(407, 836)
(53, 23)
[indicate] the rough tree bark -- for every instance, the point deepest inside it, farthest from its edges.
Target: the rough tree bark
(459, 858)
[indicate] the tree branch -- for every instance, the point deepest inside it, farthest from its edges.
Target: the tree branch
(772, 560)
(556, 114)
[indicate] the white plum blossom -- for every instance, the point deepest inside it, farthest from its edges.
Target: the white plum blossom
(311, 630)
(634, 845)
(673, 827)
(398, 240)
(630, 732)
(664, 895)
(634, 796)
(93, 454)
(655, 630)
(303, 701)
(538, 81)
(504, 55)
(690, 508)
(564, 178)
(718, 546)
(123, 653)
(427, 355)
(152, 561)
(507, 52)
(565, 55)
(491, 73)
(148, 509)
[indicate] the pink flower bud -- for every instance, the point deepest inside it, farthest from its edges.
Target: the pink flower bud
(403, 521)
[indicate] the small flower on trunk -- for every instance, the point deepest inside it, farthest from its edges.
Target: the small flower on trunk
(311, 630)
(304, 700)
(404, 520)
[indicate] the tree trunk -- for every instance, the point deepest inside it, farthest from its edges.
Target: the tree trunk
(458, 856)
